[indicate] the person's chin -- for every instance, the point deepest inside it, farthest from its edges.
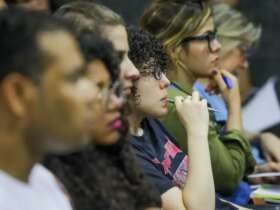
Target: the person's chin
(108, 139)
(164, 112)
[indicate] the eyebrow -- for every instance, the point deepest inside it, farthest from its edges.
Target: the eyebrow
(82, 69)
(77, 72)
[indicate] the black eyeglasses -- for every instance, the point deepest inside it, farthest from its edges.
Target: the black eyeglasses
(156, 74)
(152, 69)
(106, 93)
(210, 37)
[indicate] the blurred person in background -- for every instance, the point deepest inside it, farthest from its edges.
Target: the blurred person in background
(2, 4)
(44, 107)
(237, 36)
(264, 65)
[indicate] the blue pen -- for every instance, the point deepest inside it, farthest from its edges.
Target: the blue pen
(228, 82)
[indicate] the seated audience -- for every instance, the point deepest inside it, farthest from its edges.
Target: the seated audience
(185, 182)
(105, 175)
(187, 33)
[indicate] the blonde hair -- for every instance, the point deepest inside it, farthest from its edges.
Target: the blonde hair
(173, 20)
(234, 29)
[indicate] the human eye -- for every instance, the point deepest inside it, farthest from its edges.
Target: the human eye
(121, 55)
(78, 73)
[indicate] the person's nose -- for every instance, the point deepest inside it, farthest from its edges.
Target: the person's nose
(164, 82)
(131, 71)
(216, 45)
(245, 64)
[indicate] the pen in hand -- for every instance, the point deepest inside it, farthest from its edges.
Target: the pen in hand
(170, 100)
(228, 82)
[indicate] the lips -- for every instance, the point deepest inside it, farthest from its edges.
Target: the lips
(116, 124)
(164, 100)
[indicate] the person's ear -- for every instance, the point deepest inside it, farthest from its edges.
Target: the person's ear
(18, 92)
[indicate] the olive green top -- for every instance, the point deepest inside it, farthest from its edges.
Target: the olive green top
(231, 156)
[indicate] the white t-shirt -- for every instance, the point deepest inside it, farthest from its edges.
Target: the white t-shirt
(42, 192)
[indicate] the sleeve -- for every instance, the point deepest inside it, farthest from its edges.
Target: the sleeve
(231, 159)
(153, 172)
(231, 156)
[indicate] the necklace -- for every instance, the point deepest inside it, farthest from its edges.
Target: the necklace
(139, 132)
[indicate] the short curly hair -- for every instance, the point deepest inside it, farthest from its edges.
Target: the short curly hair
(146, 52)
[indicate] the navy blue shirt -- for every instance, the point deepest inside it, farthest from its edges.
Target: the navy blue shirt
(162, 160)
(160, 157)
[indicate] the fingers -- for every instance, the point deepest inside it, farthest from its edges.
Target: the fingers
(227, 74)
(267, 157)
(217, 76)
(275, 167)
(277, 158)
(204, 102)
(195, 96)
(178, 100)
(224, 79)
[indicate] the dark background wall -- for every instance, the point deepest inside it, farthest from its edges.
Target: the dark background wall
(264, 63)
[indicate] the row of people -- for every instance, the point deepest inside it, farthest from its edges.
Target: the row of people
(116, 106)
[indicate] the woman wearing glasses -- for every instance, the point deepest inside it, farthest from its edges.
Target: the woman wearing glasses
(238, 36)
(187, 32)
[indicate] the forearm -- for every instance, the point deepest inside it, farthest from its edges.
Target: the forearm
(228, 167)
(251, 136)
(199, 191)
(231, 159)
(234, 121)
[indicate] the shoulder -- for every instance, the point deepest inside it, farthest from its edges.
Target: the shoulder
(45, 181)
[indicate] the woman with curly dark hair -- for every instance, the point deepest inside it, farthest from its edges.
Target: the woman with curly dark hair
(104, 176)
(157, 151)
